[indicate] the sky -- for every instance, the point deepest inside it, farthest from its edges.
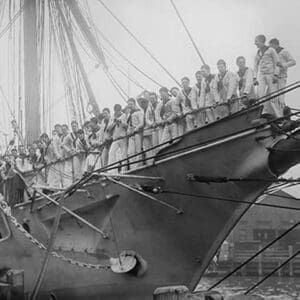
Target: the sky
(221, 29)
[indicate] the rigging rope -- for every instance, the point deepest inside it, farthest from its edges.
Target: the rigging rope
(138, 41)
(187, 31)
(126, 59)
(230, 200)
(11, 22)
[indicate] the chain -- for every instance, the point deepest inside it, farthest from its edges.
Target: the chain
(7, 211)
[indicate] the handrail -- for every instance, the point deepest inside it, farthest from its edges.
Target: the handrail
(107, 142)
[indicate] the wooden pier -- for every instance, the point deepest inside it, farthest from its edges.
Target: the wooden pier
(261, 265)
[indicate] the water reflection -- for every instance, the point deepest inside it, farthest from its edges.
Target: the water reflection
(272, 288)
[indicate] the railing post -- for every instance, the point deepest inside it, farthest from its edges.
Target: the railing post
(260, 264)
(291, 267)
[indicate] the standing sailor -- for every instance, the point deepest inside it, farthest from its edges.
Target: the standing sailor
(209, 96)
(266, 75)
(178, 100)
(227, 88)
(135, 121)
(285, 61)
(195, 97)
(118, 129)
(105, 135)
(246, 82)
(93, 161)
(51, 156)
(147, 132)
(68, 151)
(189, 103)
(81, 148)
(151, 117)
(169, 112)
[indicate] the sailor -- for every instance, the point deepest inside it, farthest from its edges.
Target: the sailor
(93, 161)
(246, 83)
(266, 76)
(285, 61)
(135, 121)
(105, 135)
(150, 118)
(227, 88)
(118, 129)
(169, 112)
(79, 160)
(51, 155)
(195, 97)
(175, 92)
(22, 163)
(209, 96)
(189, 104)
(147, 132)
(68, 151)
(57, 144)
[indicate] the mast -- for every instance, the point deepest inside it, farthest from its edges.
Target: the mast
(31, 78)
(91, 96)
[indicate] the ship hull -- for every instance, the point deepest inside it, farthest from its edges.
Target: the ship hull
(176, 247)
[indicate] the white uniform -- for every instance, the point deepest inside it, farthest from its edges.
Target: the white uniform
(189, 104)
(169, 111)
(105, 136)
(135, 123)
(227, 88)
(286, 61)
(150, 120)
(79, 160)
(246, 83)
(68, 145)
(195, 97)
(52, 154)
(118, 148)
(209, 96)
(265, 68)
(93, 161)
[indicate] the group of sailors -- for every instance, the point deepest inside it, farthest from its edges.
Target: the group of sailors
(136, 131)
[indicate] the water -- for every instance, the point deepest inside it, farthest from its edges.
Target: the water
(272, 288)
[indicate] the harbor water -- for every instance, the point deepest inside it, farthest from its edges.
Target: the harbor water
(283, 288)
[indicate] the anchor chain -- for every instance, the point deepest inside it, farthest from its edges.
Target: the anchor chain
(7, 211)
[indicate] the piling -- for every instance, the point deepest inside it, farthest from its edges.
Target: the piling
(291, 268)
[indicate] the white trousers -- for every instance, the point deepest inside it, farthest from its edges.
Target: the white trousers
(266, 86)
(117, 152)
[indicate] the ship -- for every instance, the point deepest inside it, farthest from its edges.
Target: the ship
(122, 235)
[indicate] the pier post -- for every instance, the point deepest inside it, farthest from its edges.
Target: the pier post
(260, 265)
(170, 293)
(291, 266)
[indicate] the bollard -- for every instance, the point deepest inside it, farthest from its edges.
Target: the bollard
(170, 293)
(15, 278)
(182, 293)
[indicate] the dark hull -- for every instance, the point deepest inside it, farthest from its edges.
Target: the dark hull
(177, 247)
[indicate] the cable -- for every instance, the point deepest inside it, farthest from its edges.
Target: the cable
(126, 59)
(187, 31)
(11, 22)
(138, 41)
(230, 200)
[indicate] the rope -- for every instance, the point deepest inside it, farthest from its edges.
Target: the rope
(11, 22)
(138, 41)
(126, 59)
(187, 31)
(209, 179)
(253, 256)
(230, 200)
